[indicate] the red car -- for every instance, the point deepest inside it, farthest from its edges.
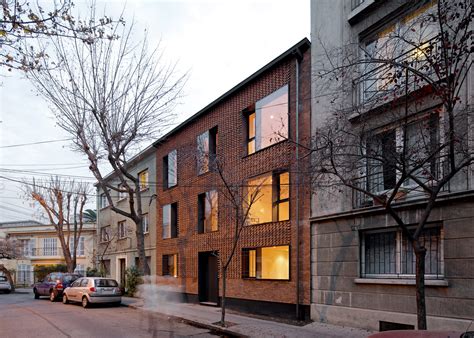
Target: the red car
(54, 284)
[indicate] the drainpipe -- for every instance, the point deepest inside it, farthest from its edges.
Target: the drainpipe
(299, 57)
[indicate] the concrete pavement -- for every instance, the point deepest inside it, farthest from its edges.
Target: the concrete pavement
(241, 325)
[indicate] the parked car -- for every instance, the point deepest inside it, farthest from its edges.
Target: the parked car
(53, 285)
(5, 285)
(93, 290)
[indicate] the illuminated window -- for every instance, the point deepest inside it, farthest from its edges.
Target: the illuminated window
(207, 212)
(408, 40)
(206, 150)
(268, 123)
(266, 263)
(170, 265)
(170, 220)
(268, 197)
(143, 178)
(170, 169)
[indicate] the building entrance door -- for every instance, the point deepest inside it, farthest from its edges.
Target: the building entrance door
(122, 267)
(208, 282)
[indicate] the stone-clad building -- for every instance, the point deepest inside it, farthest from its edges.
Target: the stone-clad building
(362, 264)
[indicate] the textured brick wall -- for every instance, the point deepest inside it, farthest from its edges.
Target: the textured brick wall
(228, 116)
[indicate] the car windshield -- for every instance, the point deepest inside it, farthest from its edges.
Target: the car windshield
(70, 278)
(106, 282)
(3, 279)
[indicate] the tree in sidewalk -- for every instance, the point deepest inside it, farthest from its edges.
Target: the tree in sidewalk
(238, 200)
(9, 249)
(111, 96)
(406, 133)
(22, 23)
(63, 202)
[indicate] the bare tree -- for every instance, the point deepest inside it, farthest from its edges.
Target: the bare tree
(63, 203)
(238, 200)
(23, 23)
(405, 133)
(111, 95)
(9, 249)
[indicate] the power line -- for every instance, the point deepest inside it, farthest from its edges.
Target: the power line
(34, 143)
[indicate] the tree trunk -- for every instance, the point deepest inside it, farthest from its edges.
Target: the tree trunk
(420, 253)
(142, 263)
(224, 284)
(7, 274)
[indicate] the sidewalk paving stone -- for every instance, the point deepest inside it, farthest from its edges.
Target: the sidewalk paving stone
(242, 326)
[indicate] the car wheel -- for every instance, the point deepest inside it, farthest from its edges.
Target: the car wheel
(85, 302)
(8, 291)
(65, 300)
(37, 296)
(52, 296)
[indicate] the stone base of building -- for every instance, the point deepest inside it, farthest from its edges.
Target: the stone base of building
(258, 307)
(371, 319)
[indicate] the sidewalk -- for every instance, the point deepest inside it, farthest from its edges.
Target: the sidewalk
(206, 316)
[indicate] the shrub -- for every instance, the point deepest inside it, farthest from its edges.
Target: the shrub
(132, 280)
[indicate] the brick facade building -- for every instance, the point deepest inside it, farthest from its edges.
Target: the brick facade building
(194, 219)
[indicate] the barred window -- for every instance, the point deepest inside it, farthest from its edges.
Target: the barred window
(389, 254)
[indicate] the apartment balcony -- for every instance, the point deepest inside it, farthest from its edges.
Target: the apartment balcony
(36, 253)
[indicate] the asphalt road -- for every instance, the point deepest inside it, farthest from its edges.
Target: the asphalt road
(23, 316)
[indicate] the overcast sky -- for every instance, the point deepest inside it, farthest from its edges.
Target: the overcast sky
(220, 43)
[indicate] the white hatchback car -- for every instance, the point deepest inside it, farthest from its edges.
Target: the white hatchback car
(93, 290)
(5, 285)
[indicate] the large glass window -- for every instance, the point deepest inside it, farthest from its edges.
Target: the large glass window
(266, 263)
(268, 198)
(407, 40)
(170, 169)
(208, 211)
(389, 254)
(143, 178)
(268, 124)
(170, 220)
(170, 265)
(206, 150)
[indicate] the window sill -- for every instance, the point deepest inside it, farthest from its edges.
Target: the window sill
(396, 281)
(266, 279)
(263, 149)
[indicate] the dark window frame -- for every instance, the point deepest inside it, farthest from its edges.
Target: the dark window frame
(165, 271)
(202, 198)
(174, 228)
(245, 268)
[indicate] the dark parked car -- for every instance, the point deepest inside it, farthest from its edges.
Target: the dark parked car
(54, 284)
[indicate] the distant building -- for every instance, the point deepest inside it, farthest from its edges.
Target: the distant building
(40, 246)
(117, 241)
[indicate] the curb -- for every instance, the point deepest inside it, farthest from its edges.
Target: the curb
(211, 327)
